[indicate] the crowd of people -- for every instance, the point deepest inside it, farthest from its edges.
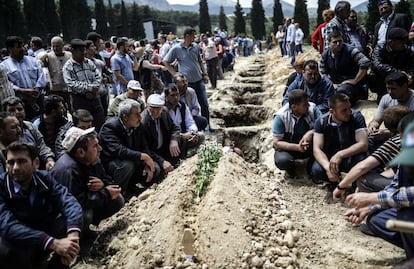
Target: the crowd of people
(60, 176)
(69, 157)
(361, 160)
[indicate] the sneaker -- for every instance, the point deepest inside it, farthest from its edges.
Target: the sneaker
(364, 228)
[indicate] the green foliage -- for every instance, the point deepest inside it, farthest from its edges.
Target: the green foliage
(75, 19)
(373, 15)
(204, 17)
(277, 15)
(11, 19)
(301, 16)
(101, 20)
(258, 18)
(208, 157)
(322, 5)
(222, 19)
(35, 17)
(52, 19)
(137, 29)
(403, 7)
(124, 27)
(111, 18)
(239, 22)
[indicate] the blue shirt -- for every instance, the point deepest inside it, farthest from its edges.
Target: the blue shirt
(189, 60)
(124, 64)
(26, 73)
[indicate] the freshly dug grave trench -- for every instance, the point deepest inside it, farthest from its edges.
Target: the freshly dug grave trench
(240, 223)
(242, 115)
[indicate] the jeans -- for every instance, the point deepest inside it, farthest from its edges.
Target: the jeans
(200, 90)
(285, 160)
(282, 46)
(377, 224)
(372, 182)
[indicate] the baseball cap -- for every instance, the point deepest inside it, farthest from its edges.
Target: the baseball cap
(135, 85)
(73, 135)
(406, 155)
(155, 100)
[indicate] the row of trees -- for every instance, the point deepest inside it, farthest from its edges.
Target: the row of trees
(73, 18)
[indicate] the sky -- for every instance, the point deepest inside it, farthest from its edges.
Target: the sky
(311, 3)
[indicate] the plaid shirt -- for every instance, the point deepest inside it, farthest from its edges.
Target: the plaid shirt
(395, 195)
(81, 77)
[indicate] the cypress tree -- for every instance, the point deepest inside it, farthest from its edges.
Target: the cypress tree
(301, 16)
(222, 19)
(403, 7)
(101, 21)
(11, 19)
(373, 15)
(204, 19)
(34, 12)
(52, 19)
(75, 18)
(110, 17)
(137, 28)
(277, 15)
(322, 5)
(124, 20)
(257, 19)
(239, 22)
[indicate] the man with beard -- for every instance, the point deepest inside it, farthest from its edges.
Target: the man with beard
(123, 63)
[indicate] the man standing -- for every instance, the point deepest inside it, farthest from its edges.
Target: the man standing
(389, 20)
(83, 81)
(81, 171)
(123, 63)
(292, 131)
(54, 62)
(290, 39)
(357, 34)
(39, 216)
(317, 87)
(26, 76)
(338, 23)
(340, 140)
(190, 64)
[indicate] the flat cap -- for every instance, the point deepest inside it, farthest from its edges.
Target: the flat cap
(76, 42)
(397, 33)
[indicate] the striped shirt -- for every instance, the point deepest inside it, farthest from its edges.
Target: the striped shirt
(81, 77)
(388, 150)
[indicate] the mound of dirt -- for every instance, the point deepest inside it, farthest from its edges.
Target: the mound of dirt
(250, 216)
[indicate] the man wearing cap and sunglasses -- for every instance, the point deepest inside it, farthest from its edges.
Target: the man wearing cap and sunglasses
(396, 201)
(134, 92)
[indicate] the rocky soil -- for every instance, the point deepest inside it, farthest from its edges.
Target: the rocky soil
(250, 217)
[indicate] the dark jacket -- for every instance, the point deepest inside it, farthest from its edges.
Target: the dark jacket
(75, 176)
(170, 132)
(385, 61)
(344, 65)
(399, 20)
(32, 135)
(318, 93)
(23, 224)
(117, 144)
